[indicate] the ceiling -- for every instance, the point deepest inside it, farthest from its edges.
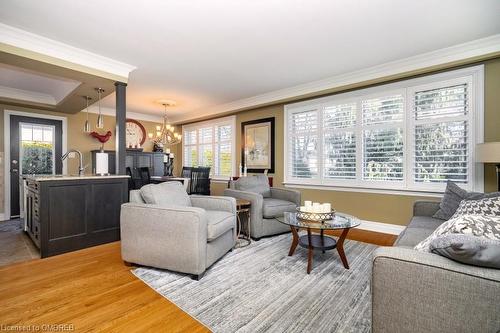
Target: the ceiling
(20, 83)
(205, 54)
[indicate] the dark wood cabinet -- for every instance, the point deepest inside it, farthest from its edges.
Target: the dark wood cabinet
(32, 212)
(65, 215)
(134, 160)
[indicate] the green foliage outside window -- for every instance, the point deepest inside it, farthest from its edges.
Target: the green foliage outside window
(37, 158)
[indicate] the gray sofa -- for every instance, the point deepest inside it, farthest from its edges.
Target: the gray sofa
(175, 231)
(424, 292)
(267, 203)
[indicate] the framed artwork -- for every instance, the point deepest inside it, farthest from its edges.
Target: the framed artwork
(257, 141)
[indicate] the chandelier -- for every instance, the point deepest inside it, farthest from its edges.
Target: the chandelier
(165, 134)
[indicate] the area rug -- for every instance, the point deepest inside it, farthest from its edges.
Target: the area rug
(260, 288)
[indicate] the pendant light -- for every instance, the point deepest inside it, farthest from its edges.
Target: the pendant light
(86, 127)
(100, 118)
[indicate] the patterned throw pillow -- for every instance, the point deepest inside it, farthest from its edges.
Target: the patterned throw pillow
(452, 198)
(468, 249)
(477, 225)
(485, 207)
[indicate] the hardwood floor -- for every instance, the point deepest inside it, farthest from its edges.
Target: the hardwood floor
(94, 291)
(91, 289)
(366, 236)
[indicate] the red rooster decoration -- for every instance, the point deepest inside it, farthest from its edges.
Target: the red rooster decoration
(103, 138)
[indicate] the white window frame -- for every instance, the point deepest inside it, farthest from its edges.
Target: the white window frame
(472, 75)
(231, 121)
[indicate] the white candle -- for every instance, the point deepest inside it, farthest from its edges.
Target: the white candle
(165, 158)
(327, 207)
(316, 207)
(303, 209)
(171, 155)
(167, 151)
(307, 203)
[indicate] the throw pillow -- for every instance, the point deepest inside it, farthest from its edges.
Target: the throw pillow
(467, 249)
(256, 184)
(452, 197)
(477, 225)
(486, 207)
(165, 194)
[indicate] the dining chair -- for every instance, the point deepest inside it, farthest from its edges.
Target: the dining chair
(131, 182)
(200, 181)
(145, 176)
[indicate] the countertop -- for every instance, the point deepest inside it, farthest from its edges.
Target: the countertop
(39, 178)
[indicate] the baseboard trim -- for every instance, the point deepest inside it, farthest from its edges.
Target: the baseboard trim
(384, 228)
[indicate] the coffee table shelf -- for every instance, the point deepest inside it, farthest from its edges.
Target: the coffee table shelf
(319, 242)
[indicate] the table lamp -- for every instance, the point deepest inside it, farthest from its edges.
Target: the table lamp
(489, 152)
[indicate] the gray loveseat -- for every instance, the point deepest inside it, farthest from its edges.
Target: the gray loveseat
(176, 232)
(423, 292)
(267, 203)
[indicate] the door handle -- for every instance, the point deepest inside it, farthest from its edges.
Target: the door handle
(14, 170)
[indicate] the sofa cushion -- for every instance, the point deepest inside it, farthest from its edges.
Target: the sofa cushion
(425, 222)
(452, 198)
(256, 184)
(166, 194)
(412, 236)
(272, 208)
(218, 222)
(468, 249)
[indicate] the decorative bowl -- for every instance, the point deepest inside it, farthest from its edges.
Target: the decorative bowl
(316, 217)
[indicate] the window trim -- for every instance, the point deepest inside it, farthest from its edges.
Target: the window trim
(475, 75)
(230, 120)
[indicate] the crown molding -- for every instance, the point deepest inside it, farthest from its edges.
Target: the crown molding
(453, 54)
(26, 96)
(28, 41)
(132, 115)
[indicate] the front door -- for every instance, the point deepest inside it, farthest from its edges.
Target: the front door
(35, 148)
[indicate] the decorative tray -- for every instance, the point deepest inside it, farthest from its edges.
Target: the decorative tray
(316, 217)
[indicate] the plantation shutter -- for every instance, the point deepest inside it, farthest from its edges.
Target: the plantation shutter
(205, 147)
(441, 149)
(303, 152)
(383, 138)
(190, 153)
(223, 150)
(339, 141)
(210, 144)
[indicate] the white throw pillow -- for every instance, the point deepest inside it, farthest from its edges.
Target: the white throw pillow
(477, 225)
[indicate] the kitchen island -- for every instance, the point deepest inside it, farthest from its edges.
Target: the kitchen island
(68, 213)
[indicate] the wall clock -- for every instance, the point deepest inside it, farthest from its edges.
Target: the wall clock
(135, 133)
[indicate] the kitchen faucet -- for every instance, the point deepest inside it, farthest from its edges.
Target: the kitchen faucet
(80, 164)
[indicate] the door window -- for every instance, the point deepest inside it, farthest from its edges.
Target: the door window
(36, 149)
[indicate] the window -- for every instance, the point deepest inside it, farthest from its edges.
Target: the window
(36, 149)
(411, 135)
(211, 144)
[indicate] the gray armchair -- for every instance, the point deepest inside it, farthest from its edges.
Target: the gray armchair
(267, 203)
(163, 227)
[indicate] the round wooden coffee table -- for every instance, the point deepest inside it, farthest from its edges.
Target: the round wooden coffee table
(319, 241)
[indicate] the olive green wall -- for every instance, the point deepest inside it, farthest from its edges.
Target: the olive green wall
(386, 208)
(77, 139)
